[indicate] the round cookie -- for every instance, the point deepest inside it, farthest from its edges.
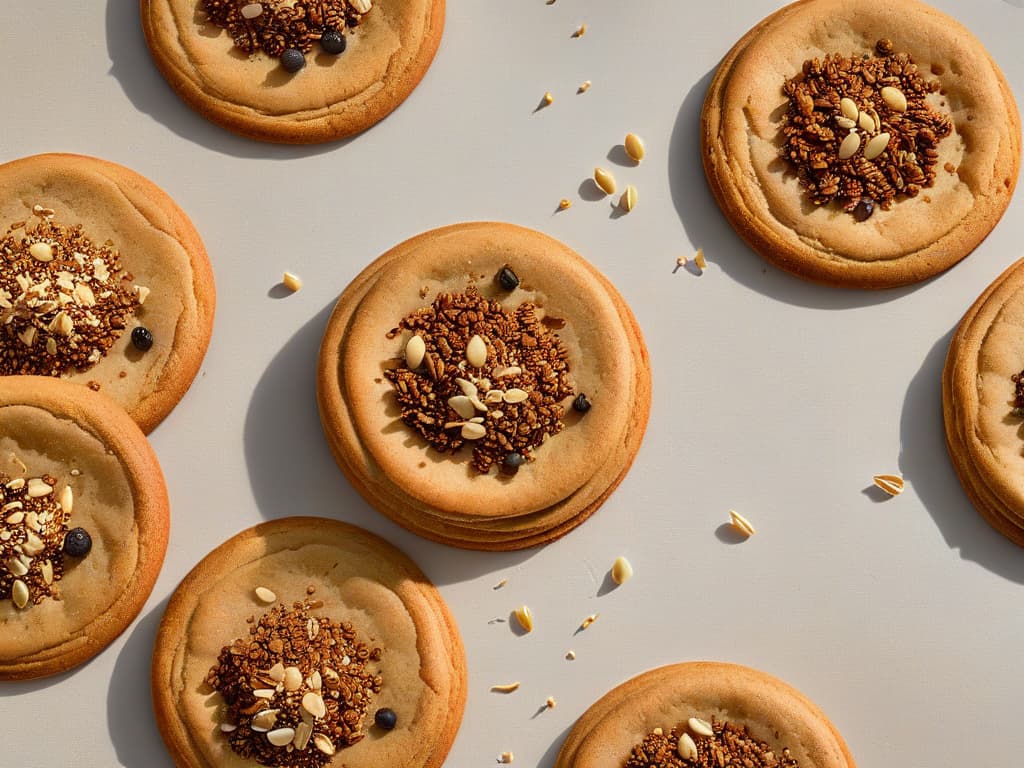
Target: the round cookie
(93, 250)
(897, 210)
(72, 459)
(982, 403)
(456, 489)
(230, 68)
(744, 708)
(334, 589)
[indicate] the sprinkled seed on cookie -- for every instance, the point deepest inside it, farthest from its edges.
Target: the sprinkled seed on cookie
(891, 484)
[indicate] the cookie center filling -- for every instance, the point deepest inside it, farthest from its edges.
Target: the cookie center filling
(287, 29)
(480, 374)
(33, 527)
(859, 131)
(64, 300)
(700, 744)
(297, 689)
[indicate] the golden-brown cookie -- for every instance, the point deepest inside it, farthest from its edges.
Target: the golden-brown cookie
(820, 188)
(92, 252)
(230, 68)
(444, 470)
(304, 628)
(701, 709)
(72, 460)
(983, 403)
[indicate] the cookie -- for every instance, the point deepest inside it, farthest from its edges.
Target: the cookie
(861, 143)
(703, 714)
(983, 403)
(299, 72)
(83, 524)
(308, 642)
(516, 411)
(104, 282)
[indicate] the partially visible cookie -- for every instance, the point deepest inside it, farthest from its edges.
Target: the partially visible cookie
(308, 642)
(299, 72)
(983, 403)
(861, 143)
(83, 524)
(103, 281)
(484, 386)
(704, 715)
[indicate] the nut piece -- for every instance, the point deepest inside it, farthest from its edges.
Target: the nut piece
(509, 688)
(281, 737)
(740, 523)
(37, 487)
(276, 673)
(605, 181)
(323, 743)
(686, 747)
(252, 10)
(476, 352)
(291, 281)
(41, 251)
(19, 593)
(303, 732)
(463, 406)
(622, 571)
(47, 571)
(415, 350)
(473, 431)
(876, 146)
(524, 617)
(67, 499)
(891, 484)
(894, 99)
(264, 721)
(265, 595)
(849, 146)
(292, 678)
(314, 704)
(515, 395)
(361, 6)
(634, 147)
(700, 727)
(628, 200)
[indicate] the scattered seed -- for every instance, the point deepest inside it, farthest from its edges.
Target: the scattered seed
(634, 147)
(550, 703)
(476, 351)
(894, 99)
(264, 693)
(47, 570)
(468, 388)
(876, 146)
(740, 523)
(849, 146)
(681, 261)
(506, 757)
(699, 260)
(581, 30)
(584, 87)
(281, 737)
(509, 688)
(570, 655)
(700, 727)
(500, 584)
(564, 203)
(605, 181)
(622, 571)
(849, 108)
(548, 98)
(891, 484)
(303, 732)
(292, 281)
(686, 747)
(265, 595)
(589, 620)
(628, 200)
(524, 617)
(415, 351)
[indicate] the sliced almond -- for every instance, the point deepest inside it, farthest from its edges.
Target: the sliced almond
(41, 251)
(468, 387)
(605, 181)
(415, 350)
(265, 595)
(16, 567)
(46, 569)
(32, 545)
(849, 108)
(515, 395)
(473, 431)
(476, 352)
(462, 406)
(894, 99)
(281, 737)
(849, 146)
(845, 123)
(494, 396)
(477, 405)
(67, 499)
(264, 693)
(865, 122)
(316, 682)
(891, 484)
(876, 146)
(524, 617)
(700, 727)
(37, 488)
(292, 679)
(508, 688)
(252, 10)
(686, 747)
(323, 743)
(314, 704)
(228, 727)
(361, 6)
(265, 720)
(19, 593)
(15, 518)
(277, 673)
(740, 523)
(303, 732)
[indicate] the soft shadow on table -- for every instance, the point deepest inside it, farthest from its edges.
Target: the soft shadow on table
(547, 760)
(292, 471)
(15, 688)
(706, 227)
(130, 717)
(133, 67)
(925, 461)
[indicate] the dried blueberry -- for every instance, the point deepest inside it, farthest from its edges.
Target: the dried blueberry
(508, 279)
(292, 60)
(332, 41)
(77, 543)
(142, 338)
(581, 403)
(863, 210)
(385, 719)
(511, 463)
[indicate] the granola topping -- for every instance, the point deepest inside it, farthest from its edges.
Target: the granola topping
(859, 130)
(274, 26)
(297, 689)
(1018, 393)
(729, 745)
(33, 523)
(64, 300)
(476, 372)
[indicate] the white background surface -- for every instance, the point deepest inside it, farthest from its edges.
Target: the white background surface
(901, 618)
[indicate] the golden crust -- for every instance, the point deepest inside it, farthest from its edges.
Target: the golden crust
(52, 427)
(773, 711)
(360, 578)
(432, 494)
(158, 245)
(985, 439)
(329, 99)
(761, 196)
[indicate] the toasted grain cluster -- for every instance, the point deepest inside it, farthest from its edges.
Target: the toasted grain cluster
(699, 744)
(273, 25)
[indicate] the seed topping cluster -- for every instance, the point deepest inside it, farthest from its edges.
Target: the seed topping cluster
(33, 523)
(728, 745)
(477, 372)
(64, 300)
(274, 26)
(297, 689)
(859, 131)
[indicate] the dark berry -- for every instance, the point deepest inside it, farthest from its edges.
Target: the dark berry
(333, 42)
(292, 60)
(864, 209)
(507, 279)
(385, 718)
(142, 338)
(77, 543)
(581, 403)
(511, 463)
